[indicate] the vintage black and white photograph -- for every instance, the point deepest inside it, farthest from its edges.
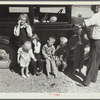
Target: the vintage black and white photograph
(49, 48)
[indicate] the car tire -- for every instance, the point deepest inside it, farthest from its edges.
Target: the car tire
(9, 56)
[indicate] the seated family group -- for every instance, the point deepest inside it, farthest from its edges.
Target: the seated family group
(29, 48)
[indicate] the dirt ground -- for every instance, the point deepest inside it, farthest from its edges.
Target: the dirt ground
(64, 83)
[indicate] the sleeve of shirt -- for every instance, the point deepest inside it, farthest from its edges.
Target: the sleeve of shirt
(53, 50)
(44, 52)
(29, 31)
(91, 21)
(58, 46)
(31, 54)
(39, 46)
(57, 50)
(19, 50)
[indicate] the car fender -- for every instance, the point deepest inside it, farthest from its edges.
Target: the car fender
(4, 39)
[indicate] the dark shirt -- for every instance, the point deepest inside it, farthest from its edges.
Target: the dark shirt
(22, 37)
(62, 50)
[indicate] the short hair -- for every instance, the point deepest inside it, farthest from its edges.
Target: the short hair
(35, 36)
(27, 43)
(24, 15)
(64, 39)
(52, 38)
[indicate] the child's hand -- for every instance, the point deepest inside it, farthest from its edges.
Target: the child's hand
(35, 59)
(26, 25)
(19, 22)
(49, 58)
(61, 57)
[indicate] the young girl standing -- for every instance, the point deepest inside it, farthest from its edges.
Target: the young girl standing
(24, 57)
(23, 30)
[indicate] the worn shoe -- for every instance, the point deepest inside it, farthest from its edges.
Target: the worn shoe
(39, 73)
(23, 76)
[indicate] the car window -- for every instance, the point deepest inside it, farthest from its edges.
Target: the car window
(52, 9)
(18, 9)
(50, 15)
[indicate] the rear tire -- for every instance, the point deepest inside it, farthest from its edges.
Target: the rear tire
(7, 56)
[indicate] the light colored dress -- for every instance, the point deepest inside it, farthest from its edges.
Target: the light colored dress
(25, 57)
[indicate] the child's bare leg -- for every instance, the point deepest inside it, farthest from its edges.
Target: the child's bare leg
(64, 66)
(27, 70)
(48, 68)
(54, 68)
(22, 72)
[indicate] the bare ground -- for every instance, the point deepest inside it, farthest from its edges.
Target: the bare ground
(65, 83)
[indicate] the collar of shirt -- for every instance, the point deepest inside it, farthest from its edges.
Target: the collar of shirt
(48, 47)
(22, 26)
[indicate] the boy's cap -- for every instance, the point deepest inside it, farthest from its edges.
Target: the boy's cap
(64, 39)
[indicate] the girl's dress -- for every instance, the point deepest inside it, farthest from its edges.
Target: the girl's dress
(25, 57)
(22, 37)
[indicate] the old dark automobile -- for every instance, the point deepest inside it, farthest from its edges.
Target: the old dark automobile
(46, 21)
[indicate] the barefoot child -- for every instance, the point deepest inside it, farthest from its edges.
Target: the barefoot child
(24, 56)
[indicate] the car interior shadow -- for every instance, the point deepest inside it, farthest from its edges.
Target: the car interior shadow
(69, 72)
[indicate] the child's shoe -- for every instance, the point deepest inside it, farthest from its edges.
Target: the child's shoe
(27, 75)
(39, 73)
(23, 76)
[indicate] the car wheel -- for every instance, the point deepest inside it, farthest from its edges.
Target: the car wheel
(7, 56)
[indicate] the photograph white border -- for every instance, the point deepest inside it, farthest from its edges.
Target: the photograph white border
(48, 95)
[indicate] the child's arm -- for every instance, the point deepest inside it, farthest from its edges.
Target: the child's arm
(17, 29)
(32, 55)
(18, 56)
(29, 30)
(39, 47)
(53, 53)
(53, 50)
(57, 47)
